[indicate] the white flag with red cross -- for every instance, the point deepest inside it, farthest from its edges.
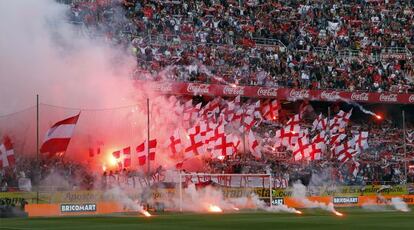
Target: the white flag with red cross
(254, 145)
(175, 143)
(270, 110)
(320, 123)
(195, 143)
(224, 146)
(361, 141)
(146, 149)
(300, 150)
(7, 158)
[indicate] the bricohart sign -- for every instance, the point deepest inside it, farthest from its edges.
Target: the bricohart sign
(78, 207)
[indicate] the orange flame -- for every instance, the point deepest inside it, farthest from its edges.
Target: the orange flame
(214, 208)
(112, 161)
(145, 213)
(338, 213)
(378, 117)
(298, 212)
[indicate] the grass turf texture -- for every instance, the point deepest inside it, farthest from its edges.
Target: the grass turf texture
(311, 219)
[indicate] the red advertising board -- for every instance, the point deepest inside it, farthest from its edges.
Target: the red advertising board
(183, 88)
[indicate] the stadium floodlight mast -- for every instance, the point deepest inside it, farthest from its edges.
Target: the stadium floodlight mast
(217, 176)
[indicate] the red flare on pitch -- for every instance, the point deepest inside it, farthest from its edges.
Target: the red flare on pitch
(145, 213)
(338, 213)
(214, 208)
(298, 212)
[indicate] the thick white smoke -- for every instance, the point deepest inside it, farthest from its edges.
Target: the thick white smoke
(299, 193)
(201, 200)
(41, 53)
(399, 204)
(395, 203)
(128, 204)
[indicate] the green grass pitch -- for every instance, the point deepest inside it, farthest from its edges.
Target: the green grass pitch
(311, 219)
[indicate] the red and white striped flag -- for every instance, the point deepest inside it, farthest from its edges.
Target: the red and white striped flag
(7, 158)
(58, 136)
(143, 151)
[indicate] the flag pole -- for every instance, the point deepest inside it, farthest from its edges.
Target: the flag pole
(244, 131)
(405, 145)
(148, 137)
(37, 149)
(329, 129)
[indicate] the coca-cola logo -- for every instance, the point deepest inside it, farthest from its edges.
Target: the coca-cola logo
(360, 96)
(299, 94)
(330, 96)
(230, 90)
(198, 89)
(164, 87)
(267, 92)
(388, 97)
(411, 98)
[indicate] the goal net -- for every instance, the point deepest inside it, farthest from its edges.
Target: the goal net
(221, 192)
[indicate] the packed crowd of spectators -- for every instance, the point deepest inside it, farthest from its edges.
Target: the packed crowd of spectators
(381, 163)
(347, 45)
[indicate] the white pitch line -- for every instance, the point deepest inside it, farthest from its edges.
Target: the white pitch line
(14, 228)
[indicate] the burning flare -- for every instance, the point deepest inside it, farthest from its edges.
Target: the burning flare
(298, 212)
(337, 213)
(145, 213)
(214, 208)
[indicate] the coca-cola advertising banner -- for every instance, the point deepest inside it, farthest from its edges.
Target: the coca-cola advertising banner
(279, 93)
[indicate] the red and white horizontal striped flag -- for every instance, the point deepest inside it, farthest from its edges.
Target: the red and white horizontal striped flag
(58, 136)
(143, 151)
(7, 158)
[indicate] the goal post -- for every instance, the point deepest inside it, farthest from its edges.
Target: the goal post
(231, 186)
